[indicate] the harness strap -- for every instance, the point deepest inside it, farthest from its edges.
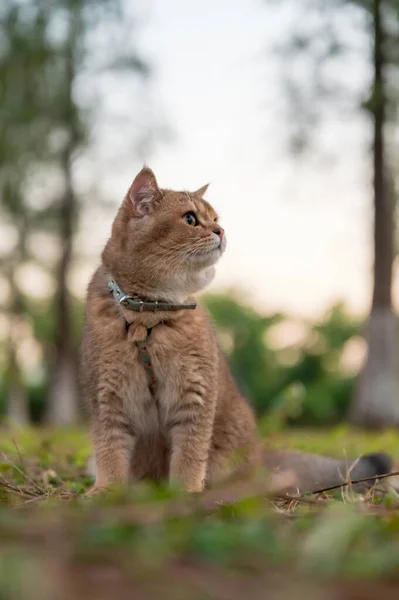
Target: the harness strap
(145, 358)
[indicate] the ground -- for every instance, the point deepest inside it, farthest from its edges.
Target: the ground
(150, 542)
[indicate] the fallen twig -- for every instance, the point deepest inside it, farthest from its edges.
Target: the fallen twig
(364, 480)
(16, 489)
(22, 473)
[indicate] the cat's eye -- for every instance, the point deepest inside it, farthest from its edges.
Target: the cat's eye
(190, 219)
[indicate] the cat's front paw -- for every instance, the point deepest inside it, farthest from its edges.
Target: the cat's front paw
(95, 490)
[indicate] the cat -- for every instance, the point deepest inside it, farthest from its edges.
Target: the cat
(162, 400)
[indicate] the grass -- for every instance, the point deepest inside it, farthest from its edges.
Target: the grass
(154, 542)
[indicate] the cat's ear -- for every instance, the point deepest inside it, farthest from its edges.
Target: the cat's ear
(201, 191)
(144, 192)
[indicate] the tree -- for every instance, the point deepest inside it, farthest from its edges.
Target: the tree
(52, 55)
(24, 54)
(376, 400)
(78, 55)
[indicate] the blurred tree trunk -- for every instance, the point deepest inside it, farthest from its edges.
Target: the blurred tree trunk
(63, 406)
(16, 390)
(376, 399)
(17, 402)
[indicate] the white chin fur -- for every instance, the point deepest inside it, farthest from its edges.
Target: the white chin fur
(197, 275)
(205, 277)
(183, 285)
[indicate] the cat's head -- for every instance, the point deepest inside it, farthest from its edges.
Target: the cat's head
(164, 242)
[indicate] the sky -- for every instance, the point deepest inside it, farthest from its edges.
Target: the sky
(299, 236)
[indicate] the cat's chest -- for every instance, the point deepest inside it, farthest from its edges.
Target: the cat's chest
(156, 379)
(165, 358)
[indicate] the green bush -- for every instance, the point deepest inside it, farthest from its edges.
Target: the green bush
(263, 375)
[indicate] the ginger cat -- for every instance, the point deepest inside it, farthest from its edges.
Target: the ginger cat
(162, 401)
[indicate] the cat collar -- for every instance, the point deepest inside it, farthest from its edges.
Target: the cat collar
(139, 305)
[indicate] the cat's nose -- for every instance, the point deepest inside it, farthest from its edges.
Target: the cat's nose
(219, 231)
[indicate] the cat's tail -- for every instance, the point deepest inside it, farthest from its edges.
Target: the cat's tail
(313, 472)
